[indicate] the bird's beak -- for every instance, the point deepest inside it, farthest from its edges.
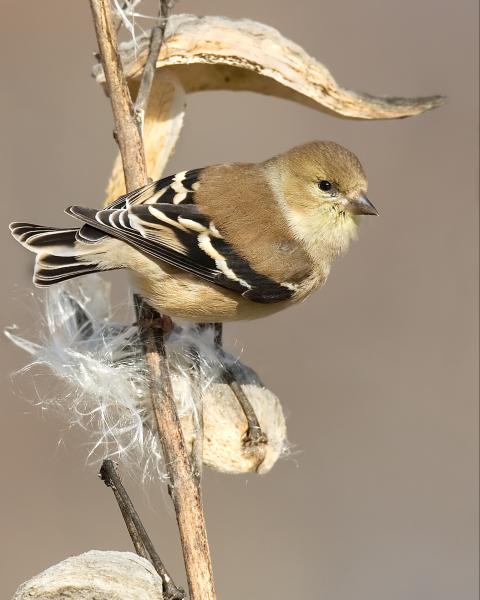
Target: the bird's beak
(361, 205)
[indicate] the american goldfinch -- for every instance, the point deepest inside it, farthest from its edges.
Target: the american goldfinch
(226, 242)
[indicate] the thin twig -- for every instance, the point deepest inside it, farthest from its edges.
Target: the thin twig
(254, 436)
(184, 488)
(108, 476)
(156, 39)
(141, 541)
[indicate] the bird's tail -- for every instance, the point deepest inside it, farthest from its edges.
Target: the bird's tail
(60, 256)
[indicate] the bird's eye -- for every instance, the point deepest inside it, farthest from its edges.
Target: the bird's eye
(325, 185)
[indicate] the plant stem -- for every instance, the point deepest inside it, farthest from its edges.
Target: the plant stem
(126, 133)
(141, 541)
(156, 40)
(184, 486)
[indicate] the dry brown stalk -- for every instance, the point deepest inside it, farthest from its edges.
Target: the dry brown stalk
(127, 134)
(184, 486)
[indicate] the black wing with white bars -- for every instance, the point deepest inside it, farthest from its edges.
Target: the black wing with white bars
(182, 236)
(174, 189)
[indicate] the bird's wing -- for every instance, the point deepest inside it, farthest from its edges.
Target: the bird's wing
(174, 189)
(184, 237)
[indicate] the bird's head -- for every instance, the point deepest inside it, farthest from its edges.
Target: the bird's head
(326, 175)
(322, 188)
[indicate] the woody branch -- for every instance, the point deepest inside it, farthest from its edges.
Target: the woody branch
(184, 486)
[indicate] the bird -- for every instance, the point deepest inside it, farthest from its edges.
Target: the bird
(221, 243)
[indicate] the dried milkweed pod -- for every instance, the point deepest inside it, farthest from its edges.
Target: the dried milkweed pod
(96, 574)
(163, 121)
(225, 427)
(216, 53)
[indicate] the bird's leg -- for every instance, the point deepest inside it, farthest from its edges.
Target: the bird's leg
(147, 317)
(254, 436)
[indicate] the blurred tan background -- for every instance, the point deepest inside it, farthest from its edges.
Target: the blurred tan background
(377, 372)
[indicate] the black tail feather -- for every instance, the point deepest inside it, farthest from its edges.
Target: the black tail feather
(59, 254)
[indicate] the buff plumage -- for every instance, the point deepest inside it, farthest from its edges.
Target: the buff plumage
(227, 242)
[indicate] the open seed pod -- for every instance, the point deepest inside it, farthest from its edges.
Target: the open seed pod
(97, 574)
(216, 53)
(225, 445)
(225, 430)
(99, 365)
